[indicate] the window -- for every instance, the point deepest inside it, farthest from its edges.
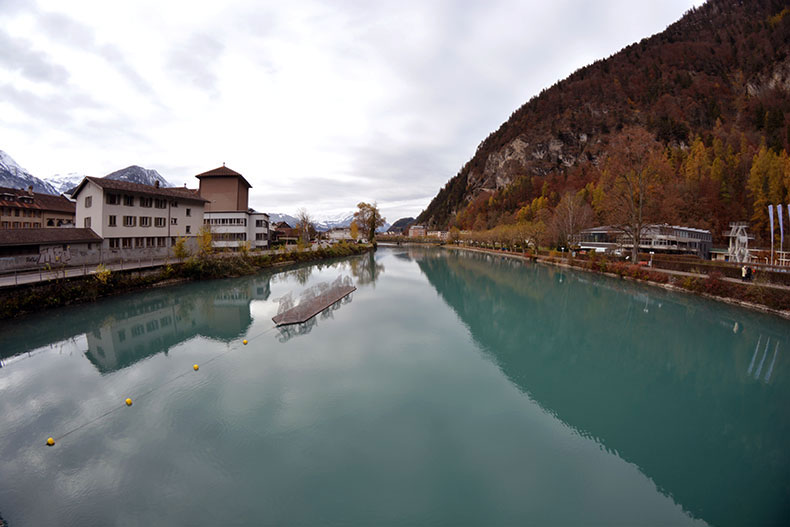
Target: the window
(16, 224)
(145, 221)
(37, 225)
(5, 224)
(126, 243)
(188, 228)
(16, 212)
(88, 201)
(26, 224)
(160, 203)
(260, 236)
(173, 221)
(114, 243)
(130, 221)
(150, 242)
(159, 222)
(261, 224)
(189, 212)
(111, 221)
(160, 241)
(87, 222)
(128, 200)
(146, 202)
(113, 199)
(139, 243)
(174, 204)
(50, 222)
(137, 330)
(121, 335)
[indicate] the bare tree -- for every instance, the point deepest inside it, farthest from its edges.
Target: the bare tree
(305, 224)
(571, 215)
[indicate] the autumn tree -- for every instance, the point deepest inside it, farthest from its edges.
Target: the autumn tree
(368, 219)
(354, 230)
(632, 178)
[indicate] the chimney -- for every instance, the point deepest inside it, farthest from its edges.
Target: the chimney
(156, 184)
(30, 189)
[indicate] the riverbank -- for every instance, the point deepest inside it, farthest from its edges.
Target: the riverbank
(29, 298)
(764, 297)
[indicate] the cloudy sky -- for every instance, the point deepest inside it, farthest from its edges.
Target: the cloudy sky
(320, 104)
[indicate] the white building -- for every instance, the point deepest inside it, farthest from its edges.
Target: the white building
(227, 215)
(135, 220)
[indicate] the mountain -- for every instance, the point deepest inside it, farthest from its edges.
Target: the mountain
(136, 174)
(322, 223)
(401, 225)
(65, 183)
(14, 176)
(711, 93)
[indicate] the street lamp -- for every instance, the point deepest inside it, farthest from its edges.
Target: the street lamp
(651, 258)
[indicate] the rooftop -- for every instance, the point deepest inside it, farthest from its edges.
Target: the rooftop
(138, 188)
(223, 171)
(10, 197)
(44, 236)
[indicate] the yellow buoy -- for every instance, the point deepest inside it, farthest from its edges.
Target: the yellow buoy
(196, 367)
(244, 342)
(50, 441)
(128, 402)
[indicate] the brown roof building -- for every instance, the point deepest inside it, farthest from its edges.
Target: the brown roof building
(25, 209)
(225, 189)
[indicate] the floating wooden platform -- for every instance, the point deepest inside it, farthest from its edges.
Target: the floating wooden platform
(307, 310)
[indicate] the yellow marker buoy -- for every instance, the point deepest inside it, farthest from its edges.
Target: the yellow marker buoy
(244, 342)
(196, 367)
(50, 442)
(128, 402)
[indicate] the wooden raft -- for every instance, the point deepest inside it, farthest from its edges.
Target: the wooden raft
(307, 310)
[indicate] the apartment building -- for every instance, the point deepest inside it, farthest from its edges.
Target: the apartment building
(227, 213)
(25, 209)
(138, 221)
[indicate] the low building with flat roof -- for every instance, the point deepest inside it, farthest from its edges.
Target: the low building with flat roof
(662, 238)
(22, 249)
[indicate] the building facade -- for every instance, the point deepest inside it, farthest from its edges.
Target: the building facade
(25, 209)
(227, 214)
(138, 221)
(662, 238)
(22, 249)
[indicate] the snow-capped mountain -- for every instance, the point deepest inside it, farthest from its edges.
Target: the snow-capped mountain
(14, 176)
(65, 182)
(322, 222)
(136, 174)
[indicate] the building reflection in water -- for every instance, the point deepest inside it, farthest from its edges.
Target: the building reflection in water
(160, 321)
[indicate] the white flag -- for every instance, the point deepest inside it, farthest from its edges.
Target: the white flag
(771, 218)
(781, 228)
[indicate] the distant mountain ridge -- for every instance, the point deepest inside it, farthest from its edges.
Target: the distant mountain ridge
(322, 223)
(14, 176)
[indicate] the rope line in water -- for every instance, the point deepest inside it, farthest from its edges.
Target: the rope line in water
(149, 392)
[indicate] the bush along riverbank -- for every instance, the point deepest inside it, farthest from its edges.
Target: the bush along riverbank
(757, 295)
(30, 298)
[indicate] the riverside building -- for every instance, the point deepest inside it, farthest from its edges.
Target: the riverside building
(138, 221)
(227, 214)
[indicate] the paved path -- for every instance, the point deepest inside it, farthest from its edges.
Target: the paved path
(41, 275)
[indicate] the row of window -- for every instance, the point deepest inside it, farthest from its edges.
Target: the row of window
(11, 211)
(20, 225)
(13, 197)
(145, 221)
(128, 201)
(225, 221)
(140, 242)
(229, 236)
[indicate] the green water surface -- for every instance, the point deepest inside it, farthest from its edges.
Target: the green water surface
(452, 388)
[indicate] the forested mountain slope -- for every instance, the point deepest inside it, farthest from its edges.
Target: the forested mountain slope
(708, 98)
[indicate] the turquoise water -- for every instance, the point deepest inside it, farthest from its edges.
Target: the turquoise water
(449, 389)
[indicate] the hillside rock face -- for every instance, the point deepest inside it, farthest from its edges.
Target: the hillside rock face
(137, 174)
(722, 72)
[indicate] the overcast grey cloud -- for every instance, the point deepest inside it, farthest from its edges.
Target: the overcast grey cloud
(319, 104)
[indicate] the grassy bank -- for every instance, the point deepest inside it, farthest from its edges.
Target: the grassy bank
(29, 298)
(761, 296)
